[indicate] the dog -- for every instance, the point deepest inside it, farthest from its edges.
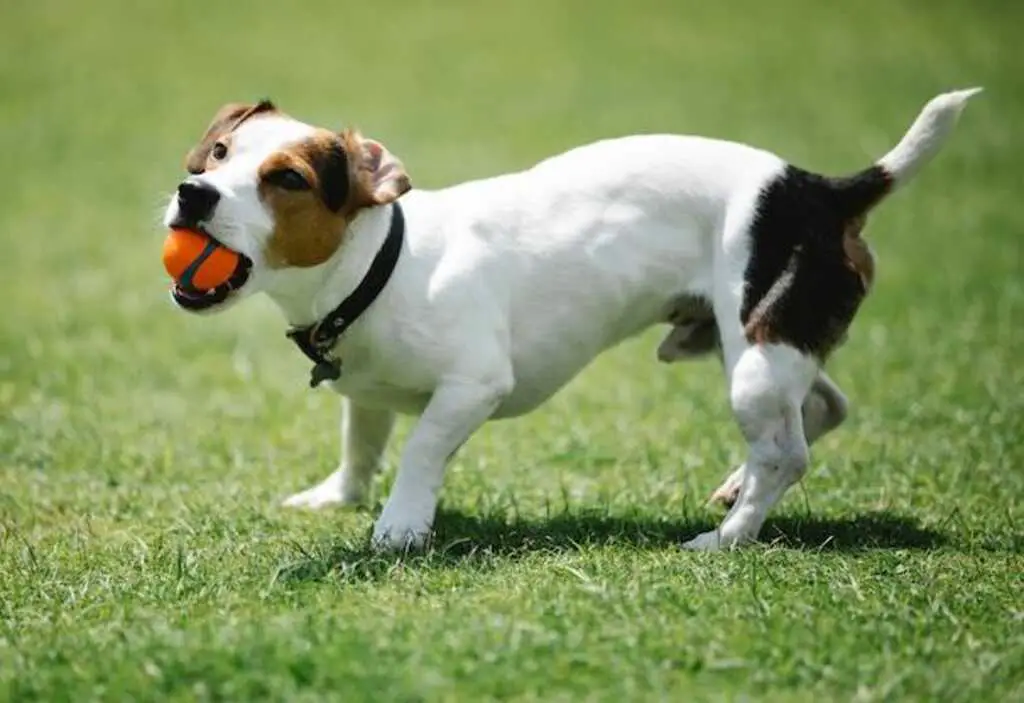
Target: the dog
(481, 300)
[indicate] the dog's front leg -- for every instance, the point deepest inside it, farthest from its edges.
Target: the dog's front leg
(364, 435)
(456, 409)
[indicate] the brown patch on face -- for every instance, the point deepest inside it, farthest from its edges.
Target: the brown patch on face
(859, 258)
(202, 157)
(310, 221)
(335, 176)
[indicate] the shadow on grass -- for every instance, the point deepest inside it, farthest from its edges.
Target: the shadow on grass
(476, 541)
(575, 530)
(866, 531)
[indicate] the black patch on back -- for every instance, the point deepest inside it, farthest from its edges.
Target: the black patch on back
(797, 242)
(331, 168)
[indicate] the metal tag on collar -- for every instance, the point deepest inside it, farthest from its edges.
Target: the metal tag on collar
(326, 370)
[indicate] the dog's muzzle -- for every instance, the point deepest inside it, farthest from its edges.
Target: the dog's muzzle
(196, 200)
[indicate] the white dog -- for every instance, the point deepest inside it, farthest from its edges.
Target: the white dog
(481, 300)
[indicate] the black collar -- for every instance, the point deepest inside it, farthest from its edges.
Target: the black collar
(317, 340)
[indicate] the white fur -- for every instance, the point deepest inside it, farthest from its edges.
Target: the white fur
(508, 287)
(927, 135)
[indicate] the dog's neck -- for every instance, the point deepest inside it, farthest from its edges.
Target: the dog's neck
(306, 295)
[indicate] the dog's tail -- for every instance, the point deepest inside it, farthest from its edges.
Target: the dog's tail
(924, 139)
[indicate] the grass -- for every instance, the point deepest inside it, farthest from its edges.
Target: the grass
(143, 452)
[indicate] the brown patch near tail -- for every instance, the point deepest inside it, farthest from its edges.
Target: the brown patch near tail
(859, 258)
(225, 121)
(760, 327)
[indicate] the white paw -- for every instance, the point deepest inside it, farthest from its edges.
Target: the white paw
(400, 536)
(403, 525)
(331, 492)
(707, 542)
(717, 540)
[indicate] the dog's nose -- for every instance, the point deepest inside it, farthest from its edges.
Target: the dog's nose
(196, 200)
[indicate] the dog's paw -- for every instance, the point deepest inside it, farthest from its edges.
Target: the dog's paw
(405, 523)
(332, 492)
(725, 495)
(706, 542)
(729, 492)
(718, 540)
(399, 537)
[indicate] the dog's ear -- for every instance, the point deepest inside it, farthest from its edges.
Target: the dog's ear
(224, 122)
(381, 175)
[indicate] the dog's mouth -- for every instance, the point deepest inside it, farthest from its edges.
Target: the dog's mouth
(195, 300)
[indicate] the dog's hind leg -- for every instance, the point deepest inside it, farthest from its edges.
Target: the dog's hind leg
(824, 409)
(768, 382)
(767, 386)
(364, 435)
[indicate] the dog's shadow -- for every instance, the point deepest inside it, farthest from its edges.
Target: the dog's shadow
(573, 530)
(463, 539)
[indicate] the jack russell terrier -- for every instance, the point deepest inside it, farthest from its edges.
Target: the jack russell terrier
(480, 301)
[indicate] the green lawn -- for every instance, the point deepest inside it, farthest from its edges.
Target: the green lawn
(143, 451)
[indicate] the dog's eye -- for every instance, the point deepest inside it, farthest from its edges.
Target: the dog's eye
(287, 178)
(220, 150)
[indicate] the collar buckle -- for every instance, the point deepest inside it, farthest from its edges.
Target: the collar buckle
(322, 335)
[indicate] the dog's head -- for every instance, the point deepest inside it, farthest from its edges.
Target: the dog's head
(278, 191)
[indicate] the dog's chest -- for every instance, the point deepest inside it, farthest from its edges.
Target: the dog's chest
(379, 370)
(372, 391)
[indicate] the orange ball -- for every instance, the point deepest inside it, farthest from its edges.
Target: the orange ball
(195, 260)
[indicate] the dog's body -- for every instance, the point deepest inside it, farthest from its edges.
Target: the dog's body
(531, 275)
(507, 287)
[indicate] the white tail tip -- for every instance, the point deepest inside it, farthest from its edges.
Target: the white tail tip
(967, 92)
(927, 135)
(955, 99)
